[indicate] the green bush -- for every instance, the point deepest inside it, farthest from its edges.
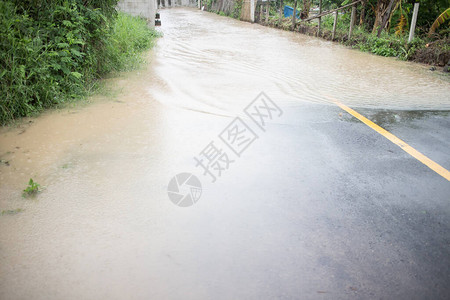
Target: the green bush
(386, 45)
(53, 51)
(130, 36)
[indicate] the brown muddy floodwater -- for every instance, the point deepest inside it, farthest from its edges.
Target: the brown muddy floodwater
(103, 226)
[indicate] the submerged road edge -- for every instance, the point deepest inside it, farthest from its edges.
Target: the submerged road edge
(403, 145)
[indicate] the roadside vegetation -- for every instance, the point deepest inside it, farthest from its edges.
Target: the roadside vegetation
(431, 44)
(52, 52)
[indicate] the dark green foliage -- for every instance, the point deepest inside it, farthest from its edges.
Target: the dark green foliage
(52, 51)
(429, 10)
(237, 9)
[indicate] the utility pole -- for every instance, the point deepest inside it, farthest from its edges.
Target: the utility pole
(352, 21)
(320, 18)
(281, 9)
(294, 15)
(333, 35)
(252, 11)
(413, 22)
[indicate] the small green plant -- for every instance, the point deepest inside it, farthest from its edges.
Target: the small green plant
(32, 189)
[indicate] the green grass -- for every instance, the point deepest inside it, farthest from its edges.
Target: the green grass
(58, 56)
(130, 37)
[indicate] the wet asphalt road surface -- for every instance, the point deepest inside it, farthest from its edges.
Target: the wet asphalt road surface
(322, 206)
(318, 206)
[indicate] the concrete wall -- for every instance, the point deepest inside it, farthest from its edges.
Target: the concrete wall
(143, 8)
(174, 3)
(228, 7)
(192, 3)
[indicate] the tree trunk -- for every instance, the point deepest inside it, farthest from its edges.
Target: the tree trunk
(380, 10)
(305, 9)
(386, 16)
(363, 13)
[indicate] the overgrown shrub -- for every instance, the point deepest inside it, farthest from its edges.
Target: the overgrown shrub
(53, 51)
(130, 36)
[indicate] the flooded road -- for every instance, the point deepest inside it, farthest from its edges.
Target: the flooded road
(216, 63)
(319, 206)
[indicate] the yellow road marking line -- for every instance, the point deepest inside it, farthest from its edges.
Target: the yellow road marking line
(404, 146)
